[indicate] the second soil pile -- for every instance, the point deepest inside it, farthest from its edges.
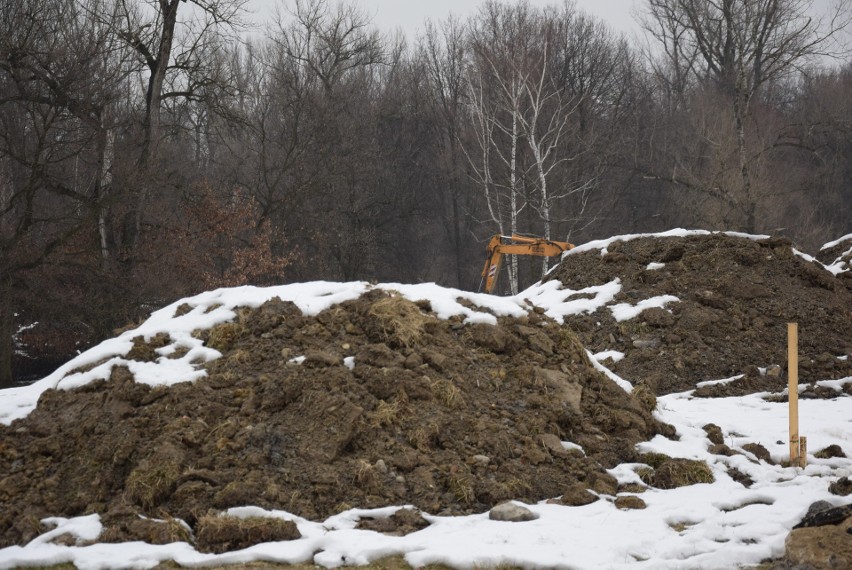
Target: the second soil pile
(450, 418)
(736, 297)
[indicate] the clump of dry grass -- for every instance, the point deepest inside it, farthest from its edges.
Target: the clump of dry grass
(222, 337)
(151, 531)
(518, 486)
(366, 476)
(402, 321)
(183, 309)
(646, 474)
(645, 396)
(447, 393)
(146, 351)
(386, 414)
(423, 436)
(670, 473)
(215, 533)
(461, 485)
(682, 472)
(152, 482)
(654, 459)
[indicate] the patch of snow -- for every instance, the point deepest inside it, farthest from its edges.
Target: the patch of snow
(840, 265)
(612, 354)
(626, 311)
(568, 445)
(82, 528)
(836, 385)
(717, 382)
(559, 302)
(296, 360)
(444, 302)
(836, 268)
(349, 362)
(603, 244)
(624, 384)
(654, 266)
(805, 256)
(829, 245)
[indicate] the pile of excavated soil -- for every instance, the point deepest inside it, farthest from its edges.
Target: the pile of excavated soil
(736, 297)
(447, 417)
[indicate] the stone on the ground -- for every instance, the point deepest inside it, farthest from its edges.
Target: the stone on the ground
(511, 512)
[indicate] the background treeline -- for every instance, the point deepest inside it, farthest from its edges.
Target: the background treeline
(149, 151)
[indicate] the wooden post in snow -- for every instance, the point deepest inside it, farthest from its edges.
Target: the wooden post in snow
(793, 389)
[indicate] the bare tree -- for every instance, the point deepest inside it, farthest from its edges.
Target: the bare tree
(176, 47)
(173, 46)
(330, 42)
(60, 72)
(742, 45)
(443, 48)
(505, 52)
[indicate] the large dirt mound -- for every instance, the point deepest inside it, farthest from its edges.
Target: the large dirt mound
(735, 297)
(448, 417)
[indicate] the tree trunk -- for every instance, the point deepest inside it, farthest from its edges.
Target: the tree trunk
(740, 112)
(456, 213)
(513, 183)
(153, 100)
(154, 93)
(7, 324)
(106, 152)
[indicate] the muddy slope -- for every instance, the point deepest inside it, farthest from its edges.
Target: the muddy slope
(446, 417)
(736, 297)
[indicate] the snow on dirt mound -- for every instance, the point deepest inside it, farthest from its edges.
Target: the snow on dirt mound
(837, 257)
(733, 296)
(358, 401)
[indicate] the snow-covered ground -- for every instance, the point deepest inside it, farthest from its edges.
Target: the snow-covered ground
(718, 525)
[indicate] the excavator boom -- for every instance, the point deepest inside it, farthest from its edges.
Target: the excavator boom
(500, 245)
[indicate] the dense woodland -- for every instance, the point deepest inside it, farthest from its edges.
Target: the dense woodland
(151, 150)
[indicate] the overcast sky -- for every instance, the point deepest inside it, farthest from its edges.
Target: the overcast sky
(409, 15)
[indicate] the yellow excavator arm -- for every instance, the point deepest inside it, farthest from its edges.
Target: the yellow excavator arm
(500, 245)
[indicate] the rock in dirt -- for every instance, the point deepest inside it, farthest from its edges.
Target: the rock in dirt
(830, 452)
(822, 548)
(578, 495)
(510, 512)
(402, 522)
(842, 487)
(825, 516)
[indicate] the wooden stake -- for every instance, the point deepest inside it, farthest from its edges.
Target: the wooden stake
(803, 451)
(793, 389)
